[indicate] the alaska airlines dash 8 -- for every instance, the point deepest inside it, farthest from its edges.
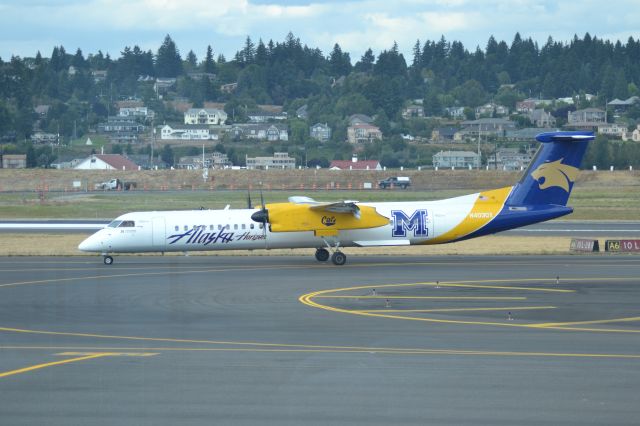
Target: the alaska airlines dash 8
(541, 194)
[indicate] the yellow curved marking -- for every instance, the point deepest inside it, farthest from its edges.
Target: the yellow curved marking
(485, 209)
(555, 174)
(51, 364)
(308, 299)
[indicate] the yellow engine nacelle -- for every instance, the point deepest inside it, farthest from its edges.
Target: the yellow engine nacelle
(293, 217)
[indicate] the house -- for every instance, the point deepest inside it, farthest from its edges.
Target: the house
(140, 112)
(413, 111)
(42, 110)
(588, 118)
(107, 162)
(229, 87)
(280, 160)
(486, 127)
(262, 116)
(454, 112)
(121, 124)
(211, 116)
(270, 132)
(490, 109)
(14, 161)
(511, 159)
(612, 129)
(321, 132)
(362, 133)
(198, 76)
(443, 134)
(303, 112)
(187, 133)
(99, 75)
(354, 164)
(44, 138)
(635, 135)
(530, 104)
(459, 159)
(163, 84)
(360, 119)
(621, 106)
(541, 118)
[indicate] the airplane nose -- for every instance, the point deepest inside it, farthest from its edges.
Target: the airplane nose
(89, 244)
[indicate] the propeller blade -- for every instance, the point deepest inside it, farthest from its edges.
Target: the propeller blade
(249, 199)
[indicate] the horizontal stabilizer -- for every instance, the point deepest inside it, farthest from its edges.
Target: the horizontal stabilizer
(565, 137)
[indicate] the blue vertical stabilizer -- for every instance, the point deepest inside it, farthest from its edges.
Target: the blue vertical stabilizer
(549, 178)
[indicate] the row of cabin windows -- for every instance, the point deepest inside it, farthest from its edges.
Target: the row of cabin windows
(243, 226)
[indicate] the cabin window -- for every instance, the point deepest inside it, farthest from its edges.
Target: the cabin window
(251, 226)
(186, 228)
(228, 227)
(261, 225)
(244, 226)
(127, 224)
(114, 224)
(177, 228)
(235, 227)
(219, 227)
(210, 227)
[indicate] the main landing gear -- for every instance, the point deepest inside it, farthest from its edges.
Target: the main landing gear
(337, 257)
(108, 260)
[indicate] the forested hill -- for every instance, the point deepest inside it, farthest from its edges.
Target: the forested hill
(333, 84)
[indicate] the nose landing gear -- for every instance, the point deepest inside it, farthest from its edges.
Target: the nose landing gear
(108, 260)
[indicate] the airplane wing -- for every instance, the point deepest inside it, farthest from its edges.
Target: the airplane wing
(337, 207)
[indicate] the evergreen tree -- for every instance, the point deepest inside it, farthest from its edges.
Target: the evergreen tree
(209, 64)
(366, 62)
(168, 61)
(339, 62)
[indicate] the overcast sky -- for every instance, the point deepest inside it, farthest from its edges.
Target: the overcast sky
(28, 26)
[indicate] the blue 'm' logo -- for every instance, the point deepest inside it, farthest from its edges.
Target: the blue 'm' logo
(416, 222)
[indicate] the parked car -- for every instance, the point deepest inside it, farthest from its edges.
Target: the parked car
(395, 182)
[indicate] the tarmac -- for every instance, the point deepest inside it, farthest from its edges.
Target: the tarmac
(152, 340)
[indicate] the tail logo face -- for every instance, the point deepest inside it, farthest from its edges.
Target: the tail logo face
(555, 174)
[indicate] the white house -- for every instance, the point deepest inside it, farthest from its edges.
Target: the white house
(187, 133)
(106, 162)
(205, 116)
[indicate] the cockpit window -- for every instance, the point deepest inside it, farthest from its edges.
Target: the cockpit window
(114, 224)
(127, 224)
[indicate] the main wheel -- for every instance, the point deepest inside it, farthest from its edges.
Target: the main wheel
(338, 258)
(322, 255)
(108, 260)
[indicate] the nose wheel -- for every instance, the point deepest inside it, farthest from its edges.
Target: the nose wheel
(108, 260)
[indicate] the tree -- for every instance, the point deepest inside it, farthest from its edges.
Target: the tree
(366, 62)
(168, 61)
(167, 155)
(209, 64)
(339, 62)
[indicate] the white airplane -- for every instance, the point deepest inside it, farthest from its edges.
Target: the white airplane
(541, 194)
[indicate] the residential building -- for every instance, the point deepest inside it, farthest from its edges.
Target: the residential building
(42, 110)
(162, 84)
(541, 118)
(14, 161)
(635, 135)
(491, 109)
(510, 159)
(530, 104)
(456, 159)
(620, 106)
(360, 119)
(320, 131)
(280, 160)
(44, 138)
(413, 111)
(443, 134)
(612, 129)
(262, 116)
(588, 118)
(121, 124)
(228, 88)
(303, 112)
(189, 132)
(486, 127)
(215, 160)
(211, 116)
(107, 162)
(362, 133)
(455, 112)
(139, 112)
(99, 75)
(355, 164)
(270, 132)
(201, 76)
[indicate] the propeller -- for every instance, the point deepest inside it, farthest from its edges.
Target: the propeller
(249, 199)
(262, 215)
